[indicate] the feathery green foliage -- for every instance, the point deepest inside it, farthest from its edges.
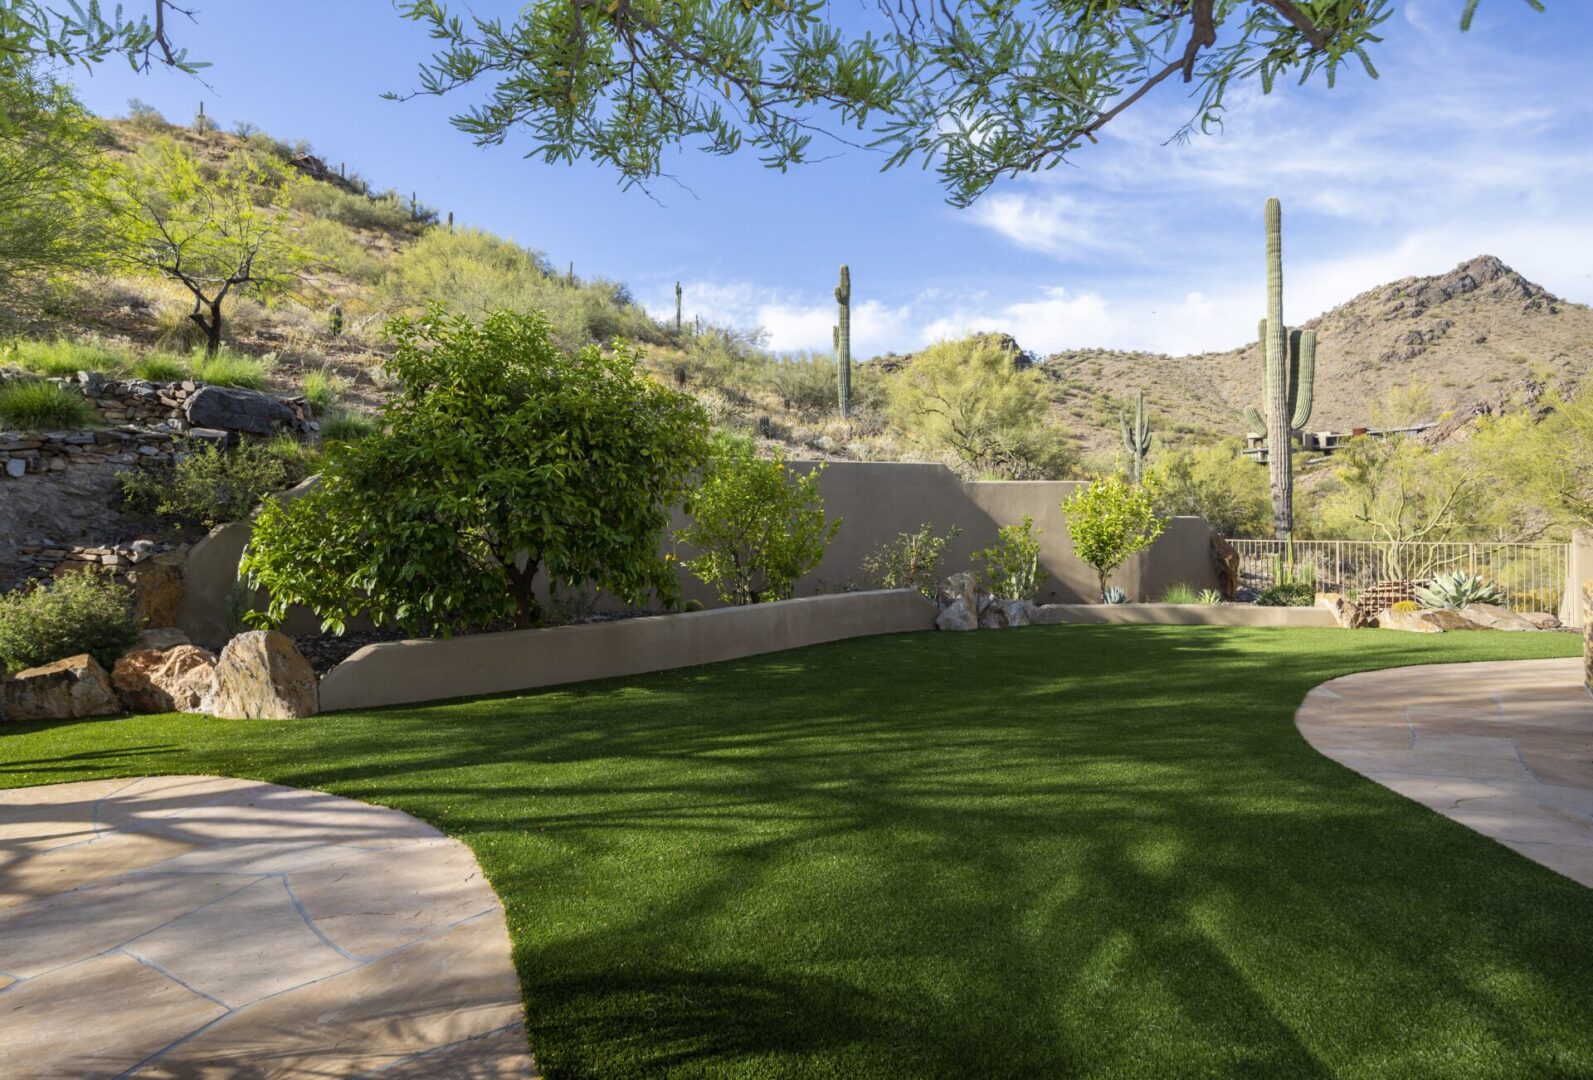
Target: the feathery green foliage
(228, 368)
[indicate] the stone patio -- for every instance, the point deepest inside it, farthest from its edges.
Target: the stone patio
(1504, 748)
(199, 926)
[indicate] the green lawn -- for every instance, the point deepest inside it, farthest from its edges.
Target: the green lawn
(1055, 851)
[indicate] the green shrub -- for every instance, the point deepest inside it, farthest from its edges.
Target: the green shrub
(1287, 594)
(1180, 593)
(228, 368)
(335, 246)
(1110, 520)
(1010, 569)
(160, 368)
(208, 486)
(387, 211)
(757, 526)
(344, 426)
(83, 612)
(499, 457)
(1455, 589)
(322, 389)
(42, 406)
(911, 561)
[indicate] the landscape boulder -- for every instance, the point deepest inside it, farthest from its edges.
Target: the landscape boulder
(1542, 620)
(957, 615)
(157, 589)
(231, 408)
(1424, 621)
(960, 587)
(1494, 617)
(1346, 612)
(68, 689)
(261, 675)
(178, 679)
(161, 638)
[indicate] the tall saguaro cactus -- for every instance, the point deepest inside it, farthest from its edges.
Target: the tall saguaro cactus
(843, 339)
(1136, 436)
(677, 308)
(1288, 376)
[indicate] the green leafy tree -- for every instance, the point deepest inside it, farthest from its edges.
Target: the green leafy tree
(969, 400)
(81, 33)
(978, 89)
(1538, 465)
(51, 191)
(1403, 494)
(215, 236)
(1217, 483)
(757, 527)
(1010, 569)
(499, 457)
(1111, 520)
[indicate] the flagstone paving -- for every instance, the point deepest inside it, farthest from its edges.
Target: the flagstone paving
(1505, 748)
(201, 926)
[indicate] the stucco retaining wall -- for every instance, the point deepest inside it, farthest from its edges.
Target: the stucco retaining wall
(402, 672)
(1184, 615)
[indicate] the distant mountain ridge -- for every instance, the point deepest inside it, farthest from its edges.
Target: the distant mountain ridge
(1464, 335)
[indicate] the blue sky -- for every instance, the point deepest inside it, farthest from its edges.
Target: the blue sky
(1467, 144)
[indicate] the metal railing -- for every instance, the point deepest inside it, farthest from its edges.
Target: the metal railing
(1533, 576)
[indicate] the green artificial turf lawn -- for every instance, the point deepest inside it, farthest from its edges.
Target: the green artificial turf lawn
(1054, 851)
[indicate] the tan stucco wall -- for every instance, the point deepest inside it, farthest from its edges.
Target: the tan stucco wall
(876, 501)
(402, 672)
(1184, 615)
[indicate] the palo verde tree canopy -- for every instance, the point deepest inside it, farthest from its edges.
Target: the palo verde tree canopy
(977, 89)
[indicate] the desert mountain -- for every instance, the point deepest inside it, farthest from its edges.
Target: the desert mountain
(1467, 336)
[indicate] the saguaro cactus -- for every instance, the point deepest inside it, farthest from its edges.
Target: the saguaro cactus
(843, 339)
(1136, 436)
(677, 308)
(1288, 376)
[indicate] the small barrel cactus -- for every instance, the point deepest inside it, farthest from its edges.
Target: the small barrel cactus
(1455, 589)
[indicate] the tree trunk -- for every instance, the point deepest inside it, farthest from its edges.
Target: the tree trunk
(211, 326)
(527, 612)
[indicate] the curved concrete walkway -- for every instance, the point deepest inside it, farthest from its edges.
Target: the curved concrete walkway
(1504, 748)
(199, 926)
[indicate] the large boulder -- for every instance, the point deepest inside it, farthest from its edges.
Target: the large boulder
(957, 615)
(1424, 621)
(231, 408)
(1542, 620)
(1346, 612)
(261, 675)
(1494, 617)
(178, 679)
(161, 638)
(157, 590)
(960, 587)
(65, 690)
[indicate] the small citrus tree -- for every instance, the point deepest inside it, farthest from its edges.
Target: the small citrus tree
(499, 456)
(1110, 520)
(757, 527)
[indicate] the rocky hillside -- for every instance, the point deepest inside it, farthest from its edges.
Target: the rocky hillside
(1467, 336)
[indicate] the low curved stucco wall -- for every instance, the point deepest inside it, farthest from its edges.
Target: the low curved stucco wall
(404, 672)
(1184, 615)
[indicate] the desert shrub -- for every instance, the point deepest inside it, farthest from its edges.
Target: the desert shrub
(499, 457)
(1180, 592)
(804, 383)
(322, 389)
(1110, 520)
(161, 368)
(59, 358)
(1287, 594)
(333, 245)
(345, 426)
(388, 211)
(145, 116)
(757, 526)
(1010, 568)
(911, 561)
(967, 399)
(228, 368)
(34, 405)
(723, 358)
(87, 611)
(207, 486)
(1405, 607)
(204, 123)
(1217, 483)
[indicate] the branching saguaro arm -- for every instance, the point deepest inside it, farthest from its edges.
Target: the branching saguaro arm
(1136, 437)
(1288, 378)
(843, 339)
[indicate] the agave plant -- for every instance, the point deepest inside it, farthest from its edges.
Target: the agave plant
(1209, 597)
(1114, 595)
(1454, 590)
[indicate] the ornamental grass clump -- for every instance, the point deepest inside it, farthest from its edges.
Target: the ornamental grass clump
(86, 611)
(42, 406)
